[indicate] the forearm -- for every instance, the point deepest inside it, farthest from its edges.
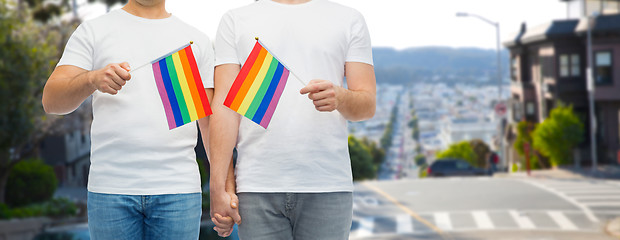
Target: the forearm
(223, 137)
(63, 94)
(357, 105)
(231, 184)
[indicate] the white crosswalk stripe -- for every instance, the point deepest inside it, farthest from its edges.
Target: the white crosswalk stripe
(442, 221)
(522, 221)
(404, 224)
(482, 219)
(561, 220)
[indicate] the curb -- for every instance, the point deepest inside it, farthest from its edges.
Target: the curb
(613, 228)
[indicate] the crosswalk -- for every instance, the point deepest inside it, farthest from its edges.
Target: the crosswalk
(366, 226)
(594, 197)
(588, 204)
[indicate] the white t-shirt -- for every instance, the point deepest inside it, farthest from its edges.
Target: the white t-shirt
(302, 150)
(132, 150)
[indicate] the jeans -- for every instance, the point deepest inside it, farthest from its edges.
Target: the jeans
(118, 217)
(299, 216)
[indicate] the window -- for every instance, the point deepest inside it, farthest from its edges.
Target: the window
(569, 65)
(602, 67)
(529, 108)
(564, 65)
(514, 66)
(575, 71)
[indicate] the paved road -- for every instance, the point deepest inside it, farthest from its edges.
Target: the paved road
(484, 208)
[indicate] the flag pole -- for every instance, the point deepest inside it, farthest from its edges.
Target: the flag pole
(160, 58)
(274, 56)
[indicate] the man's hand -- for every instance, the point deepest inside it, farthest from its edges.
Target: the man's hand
(111, 78)
(224, 212)
(324, 94)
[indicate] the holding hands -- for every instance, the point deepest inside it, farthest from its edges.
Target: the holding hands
(224, 212)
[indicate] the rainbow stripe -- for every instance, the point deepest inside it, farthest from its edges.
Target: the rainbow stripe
(180, 87)
(258, 87)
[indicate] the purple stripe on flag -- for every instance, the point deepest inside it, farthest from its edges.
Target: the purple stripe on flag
(274, 101)
(164, 96)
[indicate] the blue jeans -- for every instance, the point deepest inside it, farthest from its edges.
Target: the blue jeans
(299, 216)
(118, 217)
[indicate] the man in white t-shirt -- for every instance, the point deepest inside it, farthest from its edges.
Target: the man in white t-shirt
(144, 181)
(294, 178)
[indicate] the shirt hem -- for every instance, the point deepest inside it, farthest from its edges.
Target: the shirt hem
(143, 192)
(295, 190)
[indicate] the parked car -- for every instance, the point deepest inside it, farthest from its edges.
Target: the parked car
(454, 167)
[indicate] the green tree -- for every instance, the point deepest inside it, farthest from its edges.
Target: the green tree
(109, 3)
(558, 135)
(361, 162)
(482, 151)
(524, 135)
(376, 152)
(30, 181)
(460, 150)
(26, 60)
(420, 160)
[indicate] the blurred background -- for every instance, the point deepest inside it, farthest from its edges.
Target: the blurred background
(495, 120)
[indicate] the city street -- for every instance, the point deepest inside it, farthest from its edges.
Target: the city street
(485, 208)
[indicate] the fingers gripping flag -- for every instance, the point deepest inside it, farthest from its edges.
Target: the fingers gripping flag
(257, 89)
(180, 87)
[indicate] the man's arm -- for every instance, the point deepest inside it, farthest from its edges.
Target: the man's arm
(357, 102)
(69, 86)
(224, 128)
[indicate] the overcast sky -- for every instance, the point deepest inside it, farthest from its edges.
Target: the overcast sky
(399, 23)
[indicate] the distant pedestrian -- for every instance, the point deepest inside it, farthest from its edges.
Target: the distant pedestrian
(493, 161)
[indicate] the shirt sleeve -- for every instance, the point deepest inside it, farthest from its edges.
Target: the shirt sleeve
(79, 49)
(207, 57)
(360, 49)
(225, 44)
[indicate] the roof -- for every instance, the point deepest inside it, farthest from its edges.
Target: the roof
(602, 24)
(554, 29)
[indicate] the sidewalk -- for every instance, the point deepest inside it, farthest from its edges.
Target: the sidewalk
(609, 172)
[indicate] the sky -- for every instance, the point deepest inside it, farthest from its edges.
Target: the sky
(399, 23)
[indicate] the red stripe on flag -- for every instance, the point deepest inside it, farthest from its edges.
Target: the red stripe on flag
(249, 62)
(198, 80)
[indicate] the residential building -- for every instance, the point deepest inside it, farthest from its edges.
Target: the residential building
(548, 63)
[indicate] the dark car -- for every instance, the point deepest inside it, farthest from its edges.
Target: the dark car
(453, 167)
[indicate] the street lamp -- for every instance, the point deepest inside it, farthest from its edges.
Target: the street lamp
(590, 87)
(499, 71)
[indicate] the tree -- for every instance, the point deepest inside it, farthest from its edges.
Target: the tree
(109, 3)
(524, 136)
(460, 150)
(30, 181)
(482, 151)
(420, 160)
(361, 162)
(558, 135)
(26, 60)
(377, 153)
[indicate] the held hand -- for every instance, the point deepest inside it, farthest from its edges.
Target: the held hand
(324, 94)
(111, 78)
(224, 212)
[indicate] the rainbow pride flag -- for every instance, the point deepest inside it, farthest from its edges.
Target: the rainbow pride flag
(180, 87)
(258, 86)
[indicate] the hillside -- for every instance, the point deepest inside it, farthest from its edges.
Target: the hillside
(437, 63)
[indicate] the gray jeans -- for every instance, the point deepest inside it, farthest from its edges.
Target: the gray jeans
(299, 216)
